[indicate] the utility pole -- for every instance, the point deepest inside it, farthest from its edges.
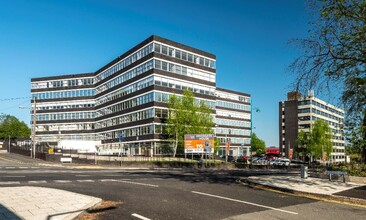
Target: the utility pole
(34, 128)
(9, 144)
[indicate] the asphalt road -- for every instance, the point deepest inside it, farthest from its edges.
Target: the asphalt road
(174, 194)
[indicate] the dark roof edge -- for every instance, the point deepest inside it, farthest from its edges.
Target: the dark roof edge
(76, 75)
(183, 46)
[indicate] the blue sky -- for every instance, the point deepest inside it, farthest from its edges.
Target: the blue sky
(250, 40)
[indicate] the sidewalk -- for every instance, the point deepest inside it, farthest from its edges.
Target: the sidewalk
(39, 203)
(323, 188)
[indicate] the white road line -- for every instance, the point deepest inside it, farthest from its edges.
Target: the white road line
(85, 181)
(39, 181)
(142, 184)
(9, 167)
(9, 182)
(23, 167)
(82, 175)
(249, 203)
(15, 176)
(62, 181)
(140, 216)
(107, 180)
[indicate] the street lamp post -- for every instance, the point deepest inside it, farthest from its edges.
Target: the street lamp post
(33, 151)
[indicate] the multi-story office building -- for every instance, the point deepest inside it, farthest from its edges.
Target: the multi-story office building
(233, 117)
(300, 112)
(127, 97)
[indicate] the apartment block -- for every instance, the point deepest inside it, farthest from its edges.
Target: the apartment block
(300, 112)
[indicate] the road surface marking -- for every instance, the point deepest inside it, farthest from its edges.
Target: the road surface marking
(142, 184)
(9, 182)
(62, 181)
(23, 167)
(39, 181)
(15, 176)
(85, 181)
(9, 167)
(82, 175)
(249, 203)
(140, 216)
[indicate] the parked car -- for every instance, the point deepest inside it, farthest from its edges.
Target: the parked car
(282, 162)
(242, 159)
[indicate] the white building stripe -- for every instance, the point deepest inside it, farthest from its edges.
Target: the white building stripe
(249, 203)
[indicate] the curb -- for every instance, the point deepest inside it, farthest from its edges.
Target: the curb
(94, 203)
(329, 198)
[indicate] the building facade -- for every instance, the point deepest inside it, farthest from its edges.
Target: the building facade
(300, 112)
(125, 98)
(233, 122)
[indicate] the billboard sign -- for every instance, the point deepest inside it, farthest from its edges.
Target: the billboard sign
(198, 143)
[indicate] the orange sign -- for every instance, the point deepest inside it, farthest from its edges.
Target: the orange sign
(199, 143)
(227, 147)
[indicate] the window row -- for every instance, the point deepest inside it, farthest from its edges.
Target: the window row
(131, 132)
(65, 116)
(66, 127)
(125, 76)
(62, 83)
(231, 96)
(233, 114)
(125, 90)
(228, 122)
(64, 94)
(136, 116)
(149, 97)
(65, 106)
(125, 62)
(320, 105)
(234, 140)
(179, 54)
(231, 131)
(54, 138)
(176, 84)
(183, 70)
(316, 111)
(233, 105)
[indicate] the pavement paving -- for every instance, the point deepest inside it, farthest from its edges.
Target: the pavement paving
(39, 203)
(321, 188)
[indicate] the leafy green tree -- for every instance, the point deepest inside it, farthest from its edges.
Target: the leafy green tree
(258, 145)
(302, 143)
(186, 116)
(334, 54)
(320, 139)
(11, 126)
(315, 142)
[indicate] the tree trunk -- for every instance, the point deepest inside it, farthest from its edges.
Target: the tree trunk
(363, 130)
(176, 143)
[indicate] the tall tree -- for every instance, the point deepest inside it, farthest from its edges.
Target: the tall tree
(11, 127)
(320, 139)
(258, 145)
(315, 142)
(187, 116)
(302, 143)
(335, 54)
